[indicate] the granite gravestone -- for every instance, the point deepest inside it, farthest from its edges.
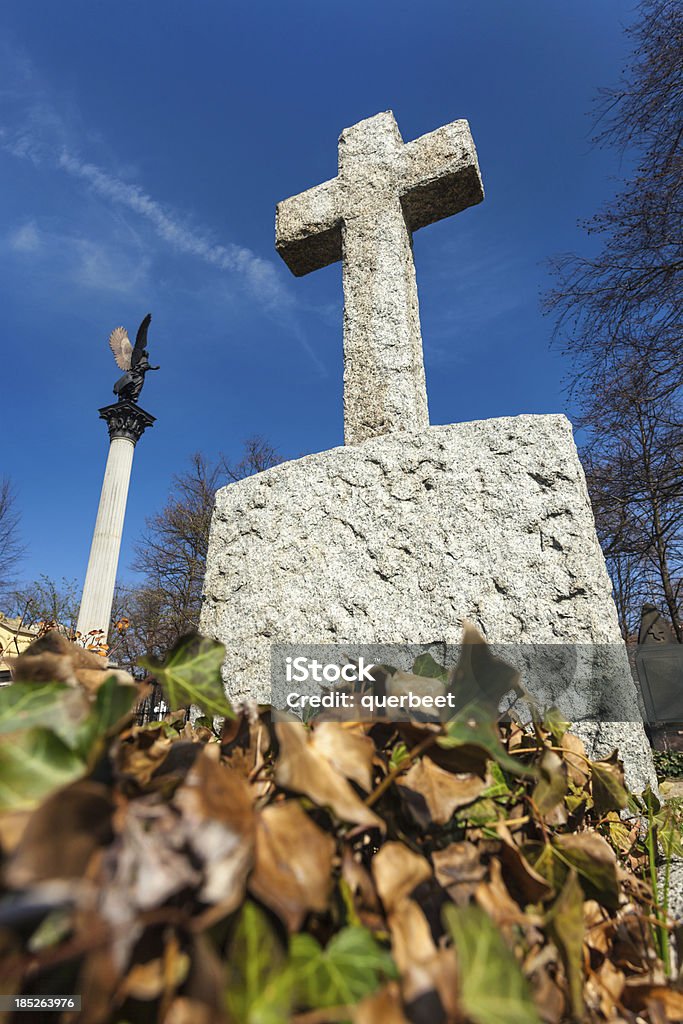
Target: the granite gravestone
(410, 528)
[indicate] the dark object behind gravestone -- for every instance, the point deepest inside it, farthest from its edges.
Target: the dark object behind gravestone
(654, 628)
(659, 662)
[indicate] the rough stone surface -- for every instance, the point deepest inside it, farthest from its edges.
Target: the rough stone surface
(385, 189)
(675, 888)
(400, 538)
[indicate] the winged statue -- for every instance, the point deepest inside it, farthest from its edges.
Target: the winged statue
(133, 359)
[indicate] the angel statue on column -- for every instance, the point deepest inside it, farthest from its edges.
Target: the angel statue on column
(134, 360)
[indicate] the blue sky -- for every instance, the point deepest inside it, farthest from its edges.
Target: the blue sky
(143, 147)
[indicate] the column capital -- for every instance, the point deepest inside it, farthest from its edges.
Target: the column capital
(126, 419)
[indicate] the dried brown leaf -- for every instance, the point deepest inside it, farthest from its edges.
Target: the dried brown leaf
(458, 868)
(432, 794)
(12, 827)
(636, 996)
(219, 823)
(293, 863)
(412, 942)
(396, 871)
(142, 752)
(531, 885)
(54, 659)
(575, 759)
(631, 942)
(428, 975)
(160, 976)
(383, 1007)
(62, 834)
(98, 979)
(189, 1011)
(430, 989)
(151, 863)
(245, 741)
(609, 981)
(494, 897)
(347, 749)
(548, 996)
(361, 889)
(302, 769)
(598, 926)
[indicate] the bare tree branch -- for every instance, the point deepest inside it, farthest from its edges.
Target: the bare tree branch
(619, 316)
(11, 549)
(171, 555)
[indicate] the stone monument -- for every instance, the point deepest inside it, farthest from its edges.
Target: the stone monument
(408, 529)
(126, 422)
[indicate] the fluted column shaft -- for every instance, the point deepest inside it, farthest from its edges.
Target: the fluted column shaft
(126, 422)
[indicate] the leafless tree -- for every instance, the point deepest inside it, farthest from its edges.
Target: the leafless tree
(258, 455)
(634, 467)
(619, 317)
(626, 300)
(11, 549)
(171, 556)
(46, 600)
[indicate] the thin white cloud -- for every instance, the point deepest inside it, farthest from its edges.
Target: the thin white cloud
(260, 273)
(74, 259)
(25, 238)
(33, 129)
(98, 267)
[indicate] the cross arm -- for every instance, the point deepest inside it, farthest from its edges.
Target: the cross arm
(442, 176)
(308, 229)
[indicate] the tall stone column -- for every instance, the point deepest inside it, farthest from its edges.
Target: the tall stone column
(126, 422)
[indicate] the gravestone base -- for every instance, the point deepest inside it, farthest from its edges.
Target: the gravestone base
(400, 538)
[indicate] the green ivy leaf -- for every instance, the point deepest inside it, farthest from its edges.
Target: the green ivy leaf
(113, 704)
(191, 674)
(33, 763)
(349, 903)
(482, 812)
(567, 930)
(493, 989)
(595, 862)
(351, 967)
(259, 981)
(547, 864)
(53, 706)
(475, 726)
(556, 724)
(481, 678)
(428, 668)
(499, 787)
(607, 785)
(651, 801)
(398, 755)
(670, 831)
(551, 787)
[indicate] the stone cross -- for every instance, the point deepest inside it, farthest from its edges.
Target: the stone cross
(385, 190)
